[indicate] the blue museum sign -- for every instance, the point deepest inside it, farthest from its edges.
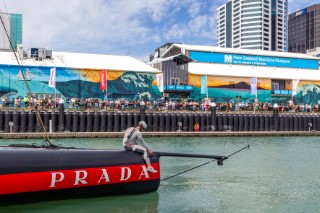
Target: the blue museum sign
(255, 60)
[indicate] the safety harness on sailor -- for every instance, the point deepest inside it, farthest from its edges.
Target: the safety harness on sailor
(131, 133)
(128, 148)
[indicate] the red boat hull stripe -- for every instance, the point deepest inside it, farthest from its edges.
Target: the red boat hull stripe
(82, 177)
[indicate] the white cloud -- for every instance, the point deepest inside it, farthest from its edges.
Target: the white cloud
(115, 26)
(176, 32)
(73, 24)
(198, 23)
(194, 8)
(157, 9)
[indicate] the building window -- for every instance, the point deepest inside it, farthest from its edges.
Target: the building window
(277, 85)
(251, 34)
(251, 29)
(251, 39)
(251, 5)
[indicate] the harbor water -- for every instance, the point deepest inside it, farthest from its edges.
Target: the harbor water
(277, 174)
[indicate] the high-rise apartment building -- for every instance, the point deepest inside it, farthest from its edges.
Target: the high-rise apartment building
(13, 25)
(253, 24)
(304, 29)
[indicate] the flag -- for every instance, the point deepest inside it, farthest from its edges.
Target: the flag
(253, 83)
(294, 86)
(52, 79)
(204, 87)
(103, 79)
(106, 80)
(159, 78)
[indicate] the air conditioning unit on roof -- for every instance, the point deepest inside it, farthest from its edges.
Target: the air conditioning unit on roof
(48, 53)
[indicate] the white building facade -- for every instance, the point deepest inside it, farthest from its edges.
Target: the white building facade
(239, 74)
(253, 24)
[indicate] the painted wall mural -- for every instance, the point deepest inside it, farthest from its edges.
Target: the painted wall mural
(308, 92)
(85, 83)
(228, 88)
(79, 83)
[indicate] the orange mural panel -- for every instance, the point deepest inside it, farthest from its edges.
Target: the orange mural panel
(218, 81)
(301, 83)
(94, 75)
(114, 74)
(194, 80)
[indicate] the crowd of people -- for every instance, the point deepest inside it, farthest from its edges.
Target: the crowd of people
(156, 105)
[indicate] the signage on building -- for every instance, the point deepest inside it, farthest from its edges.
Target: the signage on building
(254, 60)
(301, 12)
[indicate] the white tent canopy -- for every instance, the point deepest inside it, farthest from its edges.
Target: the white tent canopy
(82, 61)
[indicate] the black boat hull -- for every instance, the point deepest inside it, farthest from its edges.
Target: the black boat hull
(36, 174)
(82, 192)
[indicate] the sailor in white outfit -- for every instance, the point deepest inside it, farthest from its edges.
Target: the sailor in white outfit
(133, 141)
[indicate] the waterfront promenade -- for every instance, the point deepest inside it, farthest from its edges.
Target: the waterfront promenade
(92, 124)
(154, 134)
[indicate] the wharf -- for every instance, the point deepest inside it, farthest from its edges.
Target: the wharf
(34, 135)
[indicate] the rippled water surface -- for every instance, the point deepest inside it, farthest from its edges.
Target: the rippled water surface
(277, 174)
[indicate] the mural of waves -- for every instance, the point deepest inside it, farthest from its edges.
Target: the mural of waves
(73, 83)
(309, 93)
(6, 91)
(129, 85)
(134, 85)
(226, 95)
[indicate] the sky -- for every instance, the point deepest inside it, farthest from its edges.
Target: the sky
(119, 27)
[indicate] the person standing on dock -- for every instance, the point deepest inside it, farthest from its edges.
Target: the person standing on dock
(26, 101)
(132, 139)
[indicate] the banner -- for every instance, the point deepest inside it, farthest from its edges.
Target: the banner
(259, 60)
(204, 87)
(159, 78)
(253, 83)
(294, 86)
(103, 79)
(52, 79)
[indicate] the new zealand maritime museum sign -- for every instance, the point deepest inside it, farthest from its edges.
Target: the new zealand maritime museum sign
(224, 58)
